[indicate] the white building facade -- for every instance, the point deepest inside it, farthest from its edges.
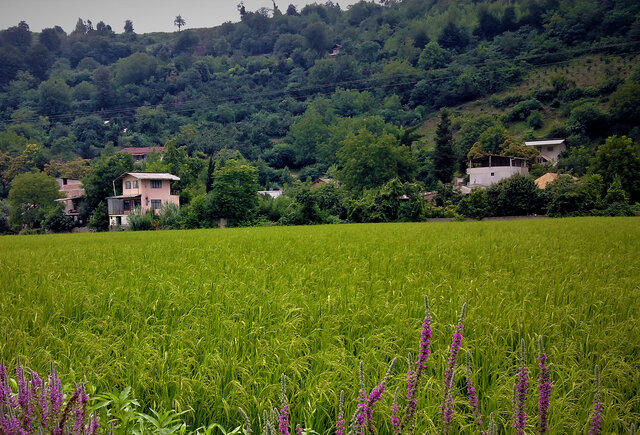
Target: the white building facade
(488, 170)
(549, 149)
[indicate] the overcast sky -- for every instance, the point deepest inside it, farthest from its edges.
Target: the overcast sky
(147, 15)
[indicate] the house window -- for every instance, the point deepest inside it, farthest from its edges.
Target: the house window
(156, 184)
(493, 173)
(126, 205)
(135, 184)
(549, 148)
(156, 204)
(127, 184)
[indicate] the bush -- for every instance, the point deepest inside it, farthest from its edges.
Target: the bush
(56, 221)
(169, 217)
(99, 220)
(514, 196)
(475, 205)
(139, 221)
(521, 110)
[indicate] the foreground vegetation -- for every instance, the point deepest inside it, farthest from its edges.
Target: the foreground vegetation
(205, 321)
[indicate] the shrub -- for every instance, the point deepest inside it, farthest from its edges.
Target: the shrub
(139, 221)
(514, 196)
(169, 217)
(521, 110)
(56, 221)
(475, 205)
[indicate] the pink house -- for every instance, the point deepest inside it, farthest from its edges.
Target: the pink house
(73, 196)
(144, 190)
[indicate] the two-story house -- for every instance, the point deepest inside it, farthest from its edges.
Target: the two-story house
(550, 149)
(487, 170)
(144, 190)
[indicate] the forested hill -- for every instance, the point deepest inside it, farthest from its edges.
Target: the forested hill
(285, 87)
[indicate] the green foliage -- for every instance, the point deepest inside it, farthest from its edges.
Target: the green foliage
(99, 220)
(5, 211)
(234, 194)
(139, 220)
(99, 183)
(368, 161)
(134, 69)
(54, 97)
(514, 196)
(475, 205)
(619, 157)
(444, 157)
(32, 194)
(56, 221)
(568, 197)
(169, 217)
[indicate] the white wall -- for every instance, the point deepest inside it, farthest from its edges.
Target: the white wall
(488, 176)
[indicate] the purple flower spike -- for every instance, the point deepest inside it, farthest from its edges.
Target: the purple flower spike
(24, 398)
(596, 415)
(81, 410)
(456, 342)
(472, 394)
(299, 430)
(283, 427)
(544, 385)
(55, 395)
(520, 393)
(395, 420)
(340, 421)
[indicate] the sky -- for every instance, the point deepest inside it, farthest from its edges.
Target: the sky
(147, 15)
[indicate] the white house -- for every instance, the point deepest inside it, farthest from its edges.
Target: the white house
(549, 149)
(487, 170)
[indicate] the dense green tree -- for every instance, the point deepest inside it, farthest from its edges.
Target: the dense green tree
(128, 26)
(368, 160)
(19, 36)
(99, 183)
(433, 57)
(179, 22)
(453, 37)
(54, 97)
(134, 69)
(51, 39)
(619, 157)
(32, 194)
(234, 194)
(444, 156)
(514, 196)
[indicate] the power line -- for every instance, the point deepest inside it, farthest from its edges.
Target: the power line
(307, 91)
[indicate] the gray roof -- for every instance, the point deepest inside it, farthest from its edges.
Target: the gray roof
(151, 176)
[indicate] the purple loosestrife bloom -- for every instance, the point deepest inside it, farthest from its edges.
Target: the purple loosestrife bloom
(81, 410)
(340, 422)
(283, 427)
(544, 385)
(520, 393)
(414, 375)
(596, 415)
(94, 425)
(55, 395)
(395, 421)
(472, 394)
(299, 429)
(456, 342)
(24, 398)
(39, 397)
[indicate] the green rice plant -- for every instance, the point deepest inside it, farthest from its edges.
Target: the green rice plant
(206, 320)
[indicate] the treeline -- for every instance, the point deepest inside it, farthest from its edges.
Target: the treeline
(298, 93)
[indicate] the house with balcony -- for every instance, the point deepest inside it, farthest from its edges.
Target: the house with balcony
(487, 170)
(72, 198)
(549, 149)
(144, 190)
(141, 153)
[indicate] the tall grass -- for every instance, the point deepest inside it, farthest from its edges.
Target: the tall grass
(207, 320)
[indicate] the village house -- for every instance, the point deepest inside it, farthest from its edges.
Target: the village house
(323, 180)
(141, 153)
(549, 149)
(73, 196)
(487, 170)
(271, 193)
(143, 190)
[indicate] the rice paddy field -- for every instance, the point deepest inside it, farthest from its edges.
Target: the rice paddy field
(207, 320)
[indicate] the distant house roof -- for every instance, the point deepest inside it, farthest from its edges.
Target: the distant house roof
(543, 181)
(71, 188)
(544, 142)
(137, 195)
(150, 176)
(142, 151)
(323, 180)
(271, 193)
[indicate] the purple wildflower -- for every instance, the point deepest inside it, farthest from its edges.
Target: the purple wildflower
(24, 398)
(456, 342)
(472, 394)
(94, 425)
(414, 374)
(364, 414)
(283, 427)
(596, 415)
(340, 421)
(299, 429)
(544, 385)
(520, 393)
(395, 421)
(81, 410)
(56, 397)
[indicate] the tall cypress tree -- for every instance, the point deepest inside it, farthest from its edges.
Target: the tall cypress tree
(444, 158)
(212, 167)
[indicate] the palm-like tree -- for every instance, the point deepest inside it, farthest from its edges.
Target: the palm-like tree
(179, 21)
